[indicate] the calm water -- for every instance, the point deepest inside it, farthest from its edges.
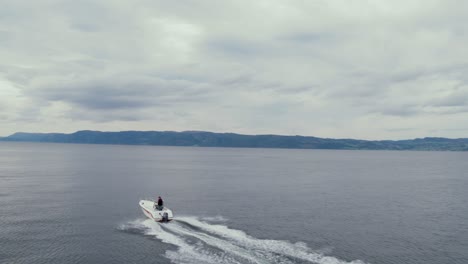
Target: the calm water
(64, 203)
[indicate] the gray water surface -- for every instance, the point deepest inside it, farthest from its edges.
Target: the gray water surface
(66, 203)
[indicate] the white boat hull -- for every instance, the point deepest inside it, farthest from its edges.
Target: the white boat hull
(148, 208)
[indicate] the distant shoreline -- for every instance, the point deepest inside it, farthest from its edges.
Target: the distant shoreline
(211, 139)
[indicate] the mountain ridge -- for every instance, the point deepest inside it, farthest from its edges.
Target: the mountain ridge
(213, 139)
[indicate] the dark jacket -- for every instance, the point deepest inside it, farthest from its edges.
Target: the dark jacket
(160, 202)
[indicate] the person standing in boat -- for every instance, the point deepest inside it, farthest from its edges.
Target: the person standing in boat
(160, 203)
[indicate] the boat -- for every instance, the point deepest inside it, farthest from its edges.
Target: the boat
(150, 209)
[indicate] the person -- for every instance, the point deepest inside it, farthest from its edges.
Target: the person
(160, 203)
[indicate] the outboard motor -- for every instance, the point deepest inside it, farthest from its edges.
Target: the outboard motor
(165, 217)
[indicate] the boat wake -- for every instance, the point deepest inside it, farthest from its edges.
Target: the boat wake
(199, 241)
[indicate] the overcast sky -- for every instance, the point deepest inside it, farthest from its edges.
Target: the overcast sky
(342, 69)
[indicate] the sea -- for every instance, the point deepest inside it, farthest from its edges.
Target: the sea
(78, 203)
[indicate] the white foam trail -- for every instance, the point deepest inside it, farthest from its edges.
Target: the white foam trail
(297, 250)
(186, 252)
(202, 242)
(217, 218)
(218, 243)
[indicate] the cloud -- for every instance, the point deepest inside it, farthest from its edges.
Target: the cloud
(121, 92)
(323, 68)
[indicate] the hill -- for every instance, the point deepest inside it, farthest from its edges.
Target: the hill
(210, 139)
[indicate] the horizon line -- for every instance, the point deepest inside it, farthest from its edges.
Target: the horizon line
(205, 131)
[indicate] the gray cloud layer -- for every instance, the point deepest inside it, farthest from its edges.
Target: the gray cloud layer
(373, 70)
